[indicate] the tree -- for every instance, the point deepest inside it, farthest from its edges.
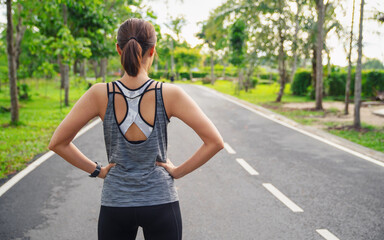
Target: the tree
(319, 64)
(356, 119)
(282, 55)
(347, 85)
(11, 49)
(215, 35)
(175, 25)
(373, 63)
(188, 57)
(299, 4)
(237, 40)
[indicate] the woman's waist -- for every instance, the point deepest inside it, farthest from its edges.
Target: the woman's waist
(132, 173)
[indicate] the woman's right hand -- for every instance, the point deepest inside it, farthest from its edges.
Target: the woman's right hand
(104, 170)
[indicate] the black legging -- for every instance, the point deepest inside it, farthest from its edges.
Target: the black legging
(159, 222)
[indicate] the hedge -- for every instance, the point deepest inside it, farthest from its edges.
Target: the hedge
(159, 74)
(301, 81)
(372, 81)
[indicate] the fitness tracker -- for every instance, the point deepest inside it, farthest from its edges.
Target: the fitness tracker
(97, 170)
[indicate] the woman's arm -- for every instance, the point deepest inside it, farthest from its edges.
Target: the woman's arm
(85, 109)
(182, 106)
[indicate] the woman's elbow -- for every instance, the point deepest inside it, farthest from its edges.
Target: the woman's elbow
(51, 146)
(219, 144)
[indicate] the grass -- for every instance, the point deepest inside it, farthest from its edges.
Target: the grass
(369, 136)
(265, 95)
(38, 118)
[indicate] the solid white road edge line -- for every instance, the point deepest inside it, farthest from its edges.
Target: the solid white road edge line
(326, 234)
(279, 195)
(367, 158)
(15, 179)
(246, 166)
(229, 149)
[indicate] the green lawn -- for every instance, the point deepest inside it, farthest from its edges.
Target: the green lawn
(39, 117)
(265, 95)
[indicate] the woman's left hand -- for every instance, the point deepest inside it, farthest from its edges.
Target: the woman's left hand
(171, 169)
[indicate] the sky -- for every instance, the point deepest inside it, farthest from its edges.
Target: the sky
(195, 11)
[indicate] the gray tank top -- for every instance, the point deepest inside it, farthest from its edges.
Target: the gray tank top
(136, 180)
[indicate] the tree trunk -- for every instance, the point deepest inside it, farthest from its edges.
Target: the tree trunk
(20, 30)
(75, 66)
(82, 67)
(348, 83)
(103, 68)
(240, 82)
(172, 60)
(319, 62)
(250, 70)
(95, 65)
(12, 66)
(66, 84)
(190, 74)
(356, 119)
(294, 44)
(212, 69)
(281, 60)
(64, 74)
(224, 65)
(314, 56)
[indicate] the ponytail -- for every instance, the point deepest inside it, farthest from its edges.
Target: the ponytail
(131, 57)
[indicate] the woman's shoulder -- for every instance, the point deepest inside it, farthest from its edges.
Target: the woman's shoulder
(171, 90)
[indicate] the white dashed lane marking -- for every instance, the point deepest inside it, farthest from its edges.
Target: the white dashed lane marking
(246, 166)
(326, 234)
(279, 195)
(229, 149)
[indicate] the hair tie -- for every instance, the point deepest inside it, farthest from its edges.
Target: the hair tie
(132, 38)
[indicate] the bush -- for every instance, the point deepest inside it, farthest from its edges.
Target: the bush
(23, 91)
(301, 81)
(269, 76)
(336, 83)
(372, 81)
(199, 74)
(254, 81)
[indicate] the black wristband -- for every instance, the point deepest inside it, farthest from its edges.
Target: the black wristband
(97, 170)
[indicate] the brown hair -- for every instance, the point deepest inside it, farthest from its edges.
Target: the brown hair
(135, 37)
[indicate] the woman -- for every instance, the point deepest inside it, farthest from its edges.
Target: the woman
(138, 188)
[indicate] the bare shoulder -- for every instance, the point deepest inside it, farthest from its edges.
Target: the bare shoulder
(98, 94)
(172, 95)
(172, 91)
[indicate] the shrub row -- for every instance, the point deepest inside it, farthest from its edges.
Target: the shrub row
(164, 74)
(334, 84)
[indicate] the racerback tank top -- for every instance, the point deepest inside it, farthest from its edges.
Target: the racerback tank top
(136, 180)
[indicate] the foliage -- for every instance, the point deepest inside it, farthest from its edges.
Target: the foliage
(186, 56)
(373, 63)
(23, 91)
(372, 81)
(237, 40)
(301, 81)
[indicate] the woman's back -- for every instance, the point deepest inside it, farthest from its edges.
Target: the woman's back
(135, 141)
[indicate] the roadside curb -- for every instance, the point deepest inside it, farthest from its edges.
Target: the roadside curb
(376, 155)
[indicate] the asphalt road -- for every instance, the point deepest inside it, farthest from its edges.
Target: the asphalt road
(333, 193)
